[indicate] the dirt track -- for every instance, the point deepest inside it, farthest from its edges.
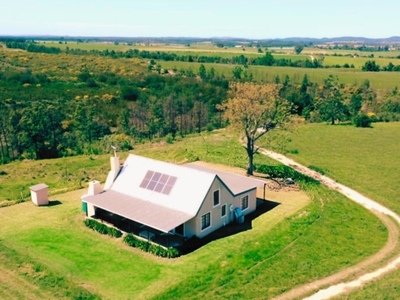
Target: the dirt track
(364, 272)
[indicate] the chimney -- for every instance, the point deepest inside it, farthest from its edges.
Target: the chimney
(114, 161)
(94, 188)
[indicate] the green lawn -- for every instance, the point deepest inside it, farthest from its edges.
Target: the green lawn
(292, 244)
(366, 159)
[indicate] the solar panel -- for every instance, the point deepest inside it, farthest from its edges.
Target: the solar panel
(158, 182)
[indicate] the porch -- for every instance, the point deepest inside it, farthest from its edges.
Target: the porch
(141, 231)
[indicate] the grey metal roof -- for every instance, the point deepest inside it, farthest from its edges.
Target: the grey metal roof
(145, 212)
(38, 187)
(237, 184)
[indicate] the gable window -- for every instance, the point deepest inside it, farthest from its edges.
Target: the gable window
(216, 197)
(245, 202)
(205, 221)
(223, 211)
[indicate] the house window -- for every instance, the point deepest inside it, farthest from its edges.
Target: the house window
(216, 197)
(223, 211)
(245, 202)
(205, 221)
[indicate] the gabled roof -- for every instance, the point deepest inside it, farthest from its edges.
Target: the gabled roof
(186, 195)
(131, 197)
(237, 184)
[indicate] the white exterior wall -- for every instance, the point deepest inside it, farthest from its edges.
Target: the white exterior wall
(90, 210)
(40, 197)
(193, 227)
(208, 206)
(252, 201)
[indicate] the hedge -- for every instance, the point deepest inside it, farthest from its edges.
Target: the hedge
(282, 171)
(103, 229)
(157, 250)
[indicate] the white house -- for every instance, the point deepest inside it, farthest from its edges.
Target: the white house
(163, 199)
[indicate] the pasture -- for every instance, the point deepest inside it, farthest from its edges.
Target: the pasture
(309, 235)
(378, 80)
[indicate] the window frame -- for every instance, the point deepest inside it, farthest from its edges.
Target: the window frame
(222, 209)
(241, 202)
(219, 197)
(209, 221)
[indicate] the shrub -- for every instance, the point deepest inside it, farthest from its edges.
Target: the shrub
(362, 120)
(2, 173)
(157, 250)
(103, 229)
(282, 171)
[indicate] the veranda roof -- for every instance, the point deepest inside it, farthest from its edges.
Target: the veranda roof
(144, 212)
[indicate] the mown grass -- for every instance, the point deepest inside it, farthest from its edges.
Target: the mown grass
(61, 175)
(287, 246)
(367, 160)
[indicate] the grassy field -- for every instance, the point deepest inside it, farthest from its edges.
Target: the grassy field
(379, 80)
(308, 236)
(358, 62)
(367, 160)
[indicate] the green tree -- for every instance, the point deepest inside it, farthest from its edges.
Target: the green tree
(255, 110)
(237, 73)
(330, 103)
(370, 66)
(202, 72)
(298, 48)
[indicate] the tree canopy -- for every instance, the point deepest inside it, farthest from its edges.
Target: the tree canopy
(255, 109)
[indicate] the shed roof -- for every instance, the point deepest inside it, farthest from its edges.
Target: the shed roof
(145, 212)
(38, 187)
(237, 184)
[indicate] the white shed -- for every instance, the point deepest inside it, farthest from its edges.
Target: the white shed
(39, 194)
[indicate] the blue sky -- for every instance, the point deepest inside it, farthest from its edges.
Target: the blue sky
(253, 19)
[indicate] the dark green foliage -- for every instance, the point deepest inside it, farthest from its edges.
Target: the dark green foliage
(103, 229)
(157, 250)
(317, 169)
(370, 66)
(298, 48)
(362, 120)
(2, 173)
(282, 171)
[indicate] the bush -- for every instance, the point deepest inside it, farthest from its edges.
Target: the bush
(103, 229)
(317, 169)
(362, 120)
(282, 171)
(157, 250)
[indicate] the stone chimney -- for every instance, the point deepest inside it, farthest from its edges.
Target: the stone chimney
(114, 161)
(94, 188)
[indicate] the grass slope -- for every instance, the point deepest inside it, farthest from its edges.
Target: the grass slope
(367, 160)
(290, 245)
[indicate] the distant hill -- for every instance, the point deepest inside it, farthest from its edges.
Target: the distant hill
(229, 41)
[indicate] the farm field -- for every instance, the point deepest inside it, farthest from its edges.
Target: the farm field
(195, 49)
(298, 241)
(358, 62)
(379, 80)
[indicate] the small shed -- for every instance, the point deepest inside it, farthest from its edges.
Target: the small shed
(39, 194)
